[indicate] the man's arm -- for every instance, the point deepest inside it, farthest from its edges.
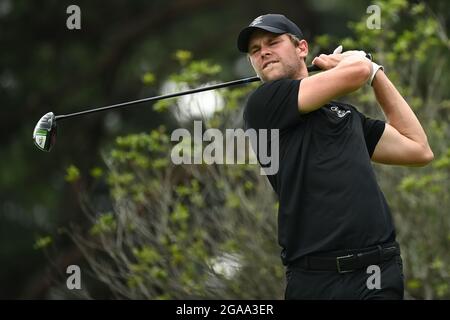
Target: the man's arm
(404, 141)
(344, 74)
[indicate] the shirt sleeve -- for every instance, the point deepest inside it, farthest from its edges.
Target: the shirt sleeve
(274, 105)
(373, 130)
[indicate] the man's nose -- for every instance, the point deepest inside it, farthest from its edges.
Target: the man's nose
(265, 51)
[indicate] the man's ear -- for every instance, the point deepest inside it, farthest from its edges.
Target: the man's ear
(302, 49)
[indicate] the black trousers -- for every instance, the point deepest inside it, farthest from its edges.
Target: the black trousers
(309, 284)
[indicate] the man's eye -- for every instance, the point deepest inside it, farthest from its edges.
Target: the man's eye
(273, 42)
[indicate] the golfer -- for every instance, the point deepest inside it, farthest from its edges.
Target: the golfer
(334, 226)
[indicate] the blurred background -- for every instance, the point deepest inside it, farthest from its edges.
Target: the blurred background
(107, 197)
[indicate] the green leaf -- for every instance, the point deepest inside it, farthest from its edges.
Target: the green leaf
(181, 213)
(72, 174)
(146, 255)
(183, 56)
(442, 289)
(437, 264)
(43, 242)
(148, 78)
(418, 9)
(163, 105)
(233, 201)
(96, 172)
(106, 223)
(160, 163)
(134, 281)
(413, 284)
(248, 185)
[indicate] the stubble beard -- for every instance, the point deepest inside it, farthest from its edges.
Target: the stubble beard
(281, 71)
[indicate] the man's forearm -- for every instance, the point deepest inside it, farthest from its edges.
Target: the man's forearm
(397, 111)
(342, 76)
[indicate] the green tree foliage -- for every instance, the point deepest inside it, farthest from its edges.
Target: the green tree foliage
(191, 231)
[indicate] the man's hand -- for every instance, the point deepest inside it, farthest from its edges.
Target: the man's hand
(329, 61)
(344, 73)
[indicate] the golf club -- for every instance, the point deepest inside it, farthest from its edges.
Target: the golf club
(44, 134)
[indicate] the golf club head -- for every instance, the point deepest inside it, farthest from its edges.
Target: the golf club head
(44, 134)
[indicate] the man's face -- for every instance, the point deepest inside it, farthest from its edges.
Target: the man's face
(274, 56)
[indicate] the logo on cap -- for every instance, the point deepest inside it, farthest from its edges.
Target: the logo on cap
(256, 21)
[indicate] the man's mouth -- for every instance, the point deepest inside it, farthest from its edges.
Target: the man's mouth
(268, 64)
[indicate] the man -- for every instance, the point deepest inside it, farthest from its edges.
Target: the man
(334, 225)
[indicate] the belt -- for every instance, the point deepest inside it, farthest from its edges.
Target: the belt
(349, 262)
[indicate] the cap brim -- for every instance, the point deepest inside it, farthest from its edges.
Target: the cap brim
(244, 35)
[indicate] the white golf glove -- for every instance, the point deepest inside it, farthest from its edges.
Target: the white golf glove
(338, 50)
(375, 68)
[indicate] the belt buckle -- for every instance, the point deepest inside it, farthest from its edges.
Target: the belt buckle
(339, 266)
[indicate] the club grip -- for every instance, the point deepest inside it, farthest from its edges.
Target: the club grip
(313, 68)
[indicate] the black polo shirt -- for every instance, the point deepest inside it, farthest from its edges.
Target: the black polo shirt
(329, 198)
